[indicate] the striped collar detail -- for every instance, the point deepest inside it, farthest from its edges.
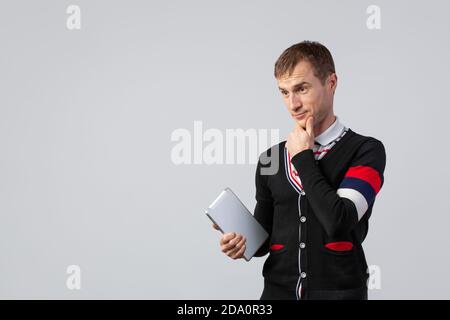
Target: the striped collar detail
(331, 134)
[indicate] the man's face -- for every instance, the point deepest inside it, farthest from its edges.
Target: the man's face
(305, 95)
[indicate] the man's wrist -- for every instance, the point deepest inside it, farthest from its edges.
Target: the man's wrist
(303, 161)
(300, 151)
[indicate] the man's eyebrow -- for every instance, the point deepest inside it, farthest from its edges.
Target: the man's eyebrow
(296, 86)
(301, 84)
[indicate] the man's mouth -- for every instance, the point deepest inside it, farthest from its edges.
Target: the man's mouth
(299, 115)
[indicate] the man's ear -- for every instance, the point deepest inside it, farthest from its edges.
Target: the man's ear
(332, 82)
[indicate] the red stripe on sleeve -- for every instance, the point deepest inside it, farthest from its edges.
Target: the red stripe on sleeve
(368, 174)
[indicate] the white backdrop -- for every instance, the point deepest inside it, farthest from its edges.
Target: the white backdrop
(86, 118)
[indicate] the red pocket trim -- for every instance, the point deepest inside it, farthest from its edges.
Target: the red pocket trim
(340, 246)
(276, 247)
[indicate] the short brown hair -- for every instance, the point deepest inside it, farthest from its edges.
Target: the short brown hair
(313, 52)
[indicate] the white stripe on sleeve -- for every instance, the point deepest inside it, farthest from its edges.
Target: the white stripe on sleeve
(357, 198)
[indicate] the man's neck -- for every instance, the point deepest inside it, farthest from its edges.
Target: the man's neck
(324, 125)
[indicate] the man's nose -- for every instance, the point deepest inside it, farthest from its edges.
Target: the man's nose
(294, 102)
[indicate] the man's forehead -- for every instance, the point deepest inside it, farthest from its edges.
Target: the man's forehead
(292, 80)
(293, 76)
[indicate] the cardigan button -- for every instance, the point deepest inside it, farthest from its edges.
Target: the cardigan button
(303, 275)
(302, 245)
(302, 219)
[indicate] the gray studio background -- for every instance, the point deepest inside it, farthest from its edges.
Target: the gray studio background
(86, 118)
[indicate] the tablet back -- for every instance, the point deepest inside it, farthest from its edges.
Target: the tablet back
(230, 214)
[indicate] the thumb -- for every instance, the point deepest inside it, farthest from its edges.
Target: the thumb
(310, 126)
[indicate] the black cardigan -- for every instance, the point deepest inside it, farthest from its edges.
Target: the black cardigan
(315, 238)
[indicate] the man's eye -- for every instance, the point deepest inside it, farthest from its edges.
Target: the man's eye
(284, 93)
(302, 89)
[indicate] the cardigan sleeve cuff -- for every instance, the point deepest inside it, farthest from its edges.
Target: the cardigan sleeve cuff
(304, 162)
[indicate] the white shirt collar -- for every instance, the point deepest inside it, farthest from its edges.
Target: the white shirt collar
(331, 133)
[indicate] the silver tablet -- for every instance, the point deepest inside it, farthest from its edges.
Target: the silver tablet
(231, 215)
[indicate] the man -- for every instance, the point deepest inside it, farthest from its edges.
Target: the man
(317, 206)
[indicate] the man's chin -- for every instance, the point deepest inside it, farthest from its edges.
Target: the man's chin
(301, 123)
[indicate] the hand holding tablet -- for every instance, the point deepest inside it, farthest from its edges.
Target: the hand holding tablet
(242, 233)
